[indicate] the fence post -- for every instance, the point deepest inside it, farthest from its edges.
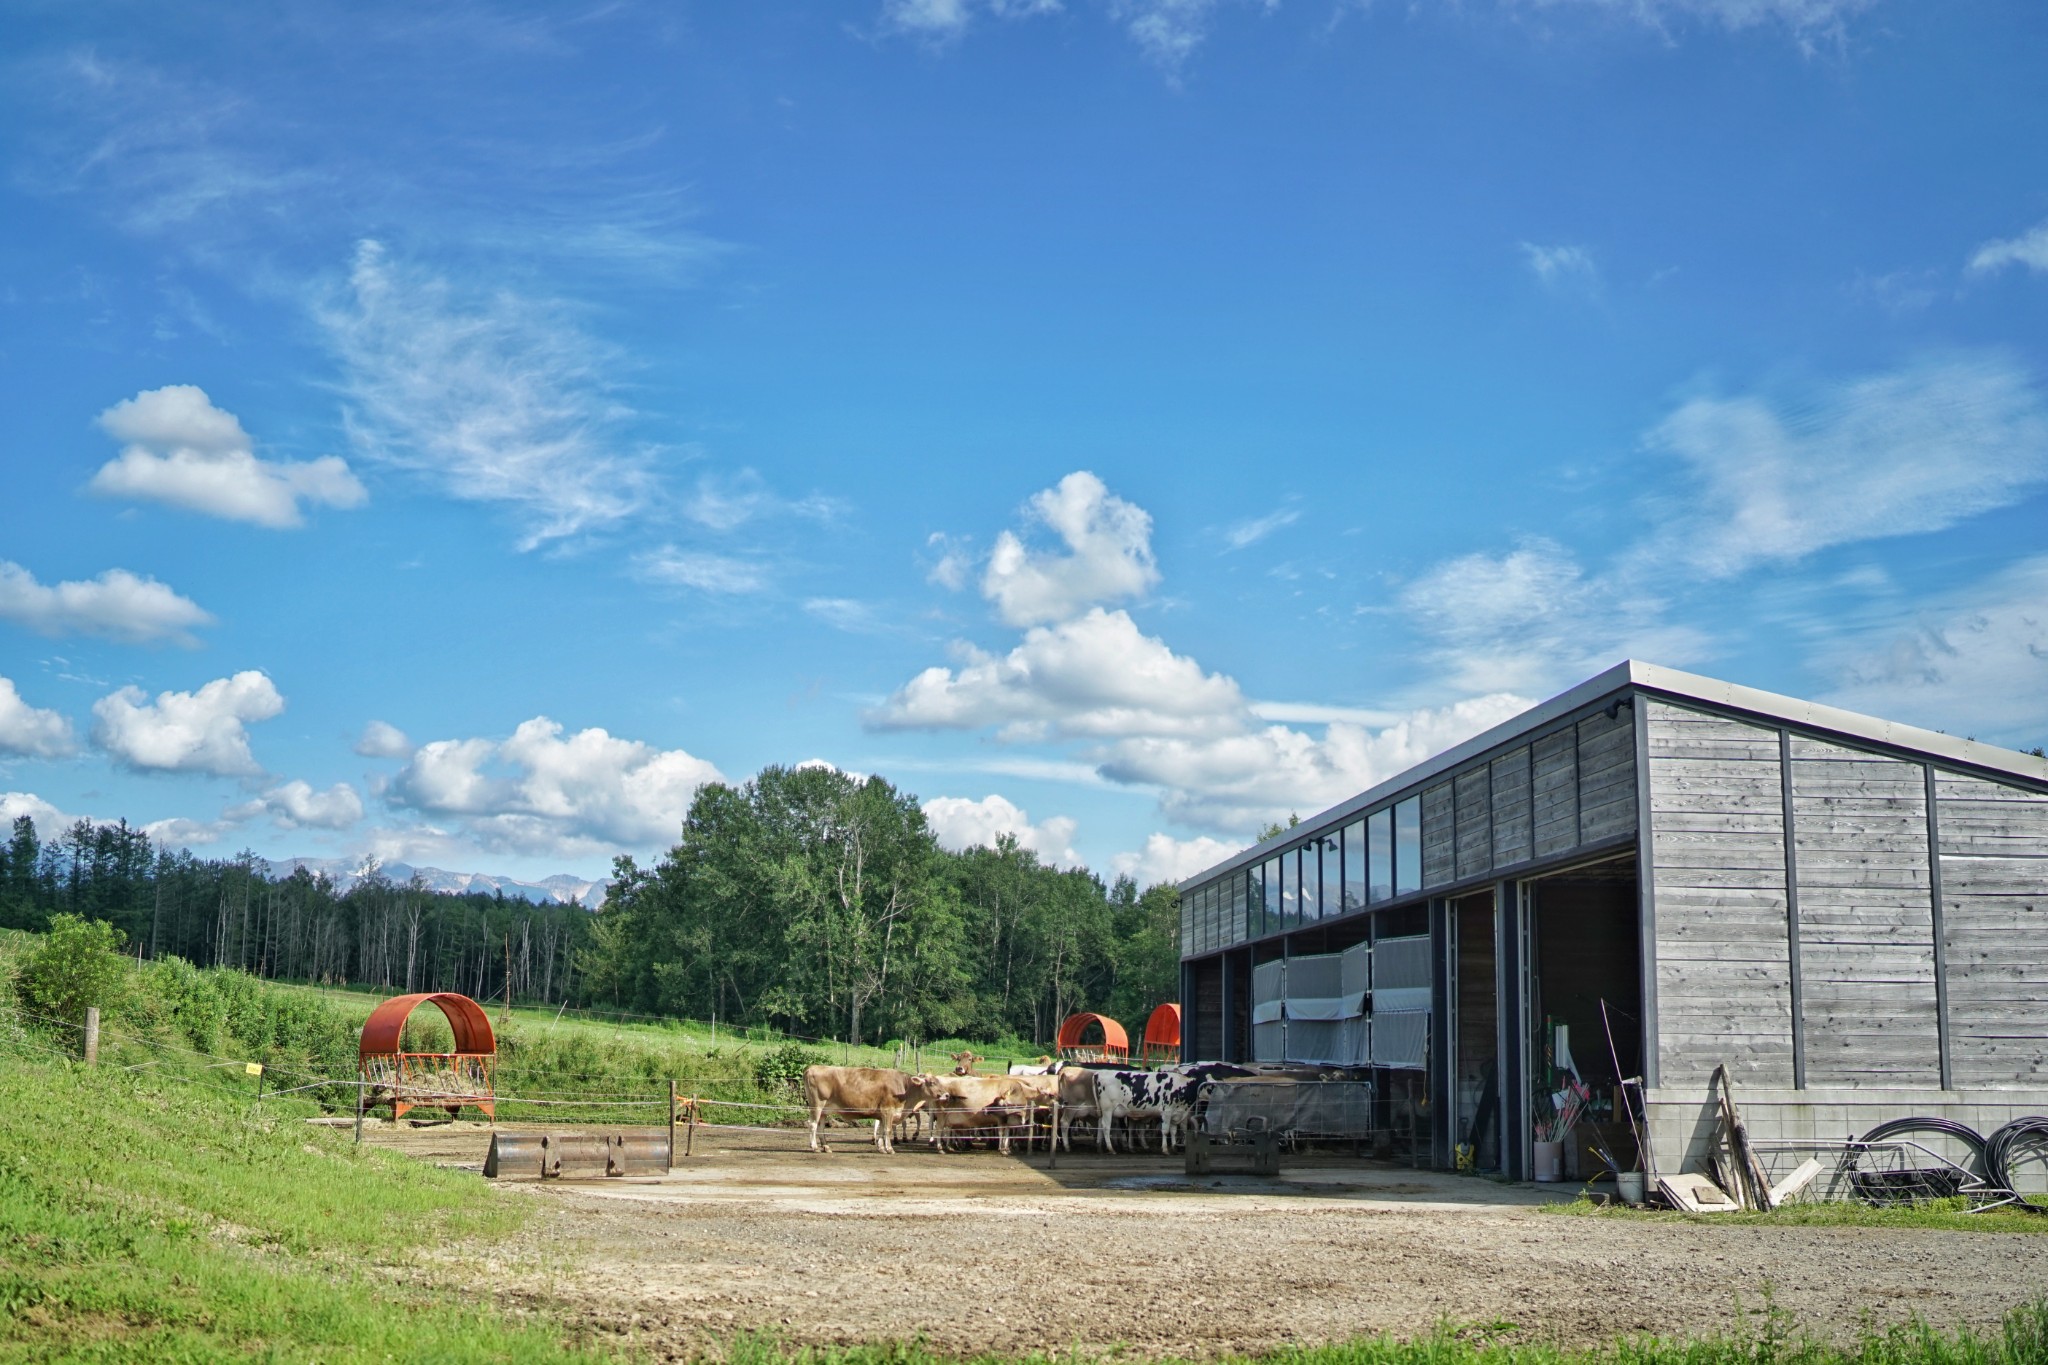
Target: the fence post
(359, 1113)
(671, 1125)
(92, 1035)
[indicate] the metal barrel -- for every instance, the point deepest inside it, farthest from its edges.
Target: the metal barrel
(515, 1156)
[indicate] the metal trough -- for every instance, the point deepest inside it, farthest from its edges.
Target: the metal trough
(1251, 1154)
(577, 1156)
(514, 1156)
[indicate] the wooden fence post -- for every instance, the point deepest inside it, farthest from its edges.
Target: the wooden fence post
(92, 1035)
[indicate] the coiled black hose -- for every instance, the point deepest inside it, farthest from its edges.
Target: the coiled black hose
(2004, 1144)
(1907, 1186)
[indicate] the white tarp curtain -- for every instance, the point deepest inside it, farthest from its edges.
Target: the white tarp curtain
(1400, 1039)
(1269, 981)
(1315, 1040)
(1355, 969)
(1355, 1041)
(1268, 1011)
(1399, 999)
(1401, 962)
(1314, 976)
(1292, 1108)
(1326, 1007)
(1267, 1041)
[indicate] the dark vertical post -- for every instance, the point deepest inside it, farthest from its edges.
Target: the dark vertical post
(1442, 1059)
(1646, 886)
(1796, 975)
(671, 1125)
(1190, 1012)
(1226, 1042)
(1511, 1066)
(1940, 933)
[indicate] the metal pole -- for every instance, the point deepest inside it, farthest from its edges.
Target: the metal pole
(359, 1113)
(671, 1125)
(1052, 1162)
(92, 1035)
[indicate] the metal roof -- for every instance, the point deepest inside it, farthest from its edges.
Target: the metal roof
(1630, 675)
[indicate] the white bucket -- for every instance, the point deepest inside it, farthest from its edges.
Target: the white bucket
(1549, 1162)
(1629, 1185)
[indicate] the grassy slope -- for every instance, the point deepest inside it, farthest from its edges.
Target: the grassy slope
(146, 1217)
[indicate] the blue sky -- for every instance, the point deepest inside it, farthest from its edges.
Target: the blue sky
(455, 437)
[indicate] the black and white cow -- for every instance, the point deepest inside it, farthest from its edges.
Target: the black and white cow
(1171, 1094)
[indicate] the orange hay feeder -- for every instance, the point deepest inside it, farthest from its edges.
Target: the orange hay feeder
(1162, 1034)
(1114, 1045)
(430, 1080)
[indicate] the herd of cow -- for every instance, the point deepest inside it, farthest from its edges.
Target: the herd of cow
(1035, 1101)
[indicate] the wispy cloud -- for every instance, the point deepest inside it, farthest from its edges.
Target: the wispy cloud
(705, 572)
(1775, 479)
(1811, 23)
(1244, 534)
(1559, 267)
(2029, 249)
(726, 502)
(492, 396)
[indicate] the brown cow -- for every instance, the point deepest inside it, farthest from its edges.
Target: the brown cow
(978, 1103)
(863, 1092)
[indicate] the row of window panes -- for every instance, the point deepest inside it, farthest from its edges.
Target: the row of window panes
(1363, 863)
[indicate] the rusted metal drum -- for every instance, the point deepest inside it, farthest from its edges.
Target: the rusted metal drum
(515, 1156)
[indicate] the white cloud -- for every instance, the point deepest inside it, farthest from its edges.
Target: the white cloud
(49, 820)
(497, 398)
(202, 731)
(1248, 533)
(1234, 783)
(2029, 249)
(1096, 676)
(943, 21)
(1806, 20)
(1531, 620)
(1167, 859)
(184, 451)
(1974, 662)
(296, 805)
(538, 792)
(679, 568)
(1109, 555)
(1914, 450)
(961, 824)
(179, 831)
(954, 565)
(116, 605)
(380, 739)
(30, 731)
(727, 502)
(845, 613)
(1558, 266)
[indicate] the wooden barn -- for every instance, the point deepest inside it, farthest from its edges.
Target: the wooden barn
(1651, 875)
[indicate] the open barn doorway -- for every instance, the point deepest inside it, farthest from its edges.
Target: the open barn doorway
(1587, 949)
(1475, 1054)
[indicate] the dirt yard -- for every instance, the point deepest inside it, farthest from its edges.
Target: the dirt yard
(976, 1252)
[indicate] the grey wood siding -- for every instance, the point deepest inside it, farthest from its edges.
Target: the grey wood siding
(1511, 828)
(1724, 977)
(1866, 917)
(1607, 775)
(1439, 836)
(1555, 795)
(1474, 796)
(1994, 888)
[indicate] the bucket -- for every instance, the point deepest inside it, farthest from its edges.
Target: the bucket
(1629, 1185)
(1549, 1162)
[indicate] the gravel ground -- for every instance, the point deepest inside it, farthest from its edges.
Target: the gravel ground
(976, 1252)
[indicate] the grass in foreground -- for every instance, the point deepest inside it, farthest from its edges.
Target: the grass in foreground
(145, 1219)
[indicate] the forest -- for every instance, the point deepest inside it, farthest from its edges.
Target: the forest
(805, 899)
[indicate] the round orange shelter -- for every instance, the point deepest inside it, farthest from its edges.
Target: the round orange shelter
(1114, 1046)
(434, 1080)
(1162, 1034)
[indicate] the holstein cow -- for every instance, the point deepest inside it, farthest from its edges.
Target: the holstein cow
(863, 1092)
(1170, 1094)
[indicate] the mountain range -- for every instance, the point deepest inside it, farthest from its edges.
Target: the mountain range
(560, 889)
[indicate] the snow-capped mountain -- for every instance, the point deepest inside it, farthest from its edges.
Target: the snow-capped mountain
(562, 889)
